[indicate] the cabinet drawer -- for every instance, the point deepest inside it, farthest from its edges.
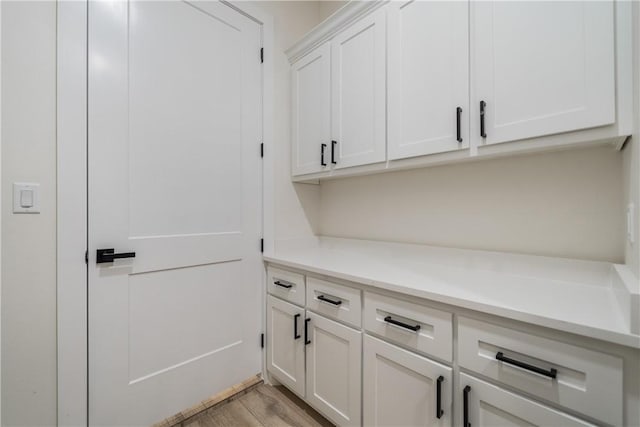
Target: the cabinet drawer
(488, 405)
(334, 301)
(424, 329)
(286, 285)
(584, 380)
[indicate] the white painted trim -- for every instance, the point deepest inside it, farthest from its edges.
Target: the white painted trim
(72, 202)
(347, 15)
(0, 213)
(72, 212)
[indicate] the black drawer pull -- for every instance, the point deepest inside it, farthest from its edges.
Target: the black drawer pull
(551, 373)
(295, 327)
(306, 331)
(458, 125)
(333, 152)
(439, 411)
(283, 284)
(322, 147)
(465, 406)
(330, 301)
(483, 105)
(415, 328)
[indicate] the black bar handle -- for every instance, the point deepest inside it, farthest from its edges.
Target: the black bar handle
(109, 255)
(306, 331)
(465, 406)
(333, 152)
(296, 335)
(458, 128)
(439, 411)
(551, 373)
(322, 147)
(283, 284)
(415, 328)
(483, 105)
(330, 301)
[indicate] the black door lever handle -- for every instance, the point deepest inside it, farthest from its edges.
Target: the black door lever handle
(109, 255)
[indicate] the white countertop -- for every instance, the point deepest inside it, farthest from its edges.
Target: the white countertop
(568, 295)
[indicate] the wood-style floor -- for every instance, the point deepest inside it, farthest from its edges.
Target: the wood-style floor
(262, 406)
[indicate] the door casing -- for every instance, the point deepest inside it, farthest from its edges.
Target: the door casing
(72, 352)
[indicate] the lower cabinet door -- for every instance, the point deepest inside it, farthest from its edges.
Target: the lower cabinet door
(402, 388)
(334, 369)
(285, 344)
(487, 405)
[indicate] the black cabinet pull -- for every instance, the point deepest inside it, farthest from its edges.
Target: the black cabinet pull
(283, 284)
(465, 406)
(482, 108)
(330, 301)
(439, 411)
(551, 373)
(306, 331)
(295, 327)
(333, 152)
(388, 319)
(322, 147)
(458, 129)
(109, 255)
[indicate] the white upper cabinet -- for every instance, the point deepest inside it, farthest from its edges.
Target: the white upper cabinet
(358, 63)
(428, 66)
(541, 68)
(311, 108)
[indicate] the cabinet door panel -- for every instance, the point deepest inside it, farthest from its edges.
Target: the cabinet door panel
(334, 370)
(311, 110)
(542, 67)
(358, 84)
(400, 387)
(491, 406)
(428, 77)
(285, 353)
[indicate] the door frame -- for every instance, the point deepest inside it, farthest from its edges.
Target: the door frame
(72, 279)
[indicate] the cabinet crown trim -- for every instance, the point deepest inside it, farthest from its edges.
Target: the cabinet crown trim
(341, 19)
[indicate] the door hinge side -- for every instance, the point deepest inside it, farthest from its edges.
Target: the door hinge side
(261, 340)
(261, 55)
(261, 245)
(86, 257)
(261, 149)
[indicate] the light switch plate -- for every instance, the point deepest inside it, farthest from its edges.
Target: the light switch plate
(26, 197)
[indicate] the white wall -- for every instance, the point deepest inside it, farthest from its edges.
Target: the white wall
(631, 153)
(296, 205)
(565, 203)
(29, 241)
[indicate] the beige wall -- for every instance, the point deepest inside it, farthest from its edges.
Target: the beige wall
(566, 203)
(29, 241)
(327, 7)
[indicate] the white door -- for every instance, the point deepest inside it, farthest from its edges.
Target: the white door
(486, 405)
(285, 343)
(311, 112)
(334, 370)
(358, 63)
(541, 68)
(174, 176)
(428, 77)
(401, 388)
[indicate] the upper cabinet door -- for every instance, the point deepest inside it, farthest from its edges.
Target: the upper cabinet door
(541, 68)
(311, 108)
(428, 77)
(358, 85)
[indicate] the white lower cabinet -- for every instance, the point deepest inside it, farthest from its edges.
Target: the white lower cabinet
(334, 369)
(285, 344)
(484, 404)
(401, 388)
